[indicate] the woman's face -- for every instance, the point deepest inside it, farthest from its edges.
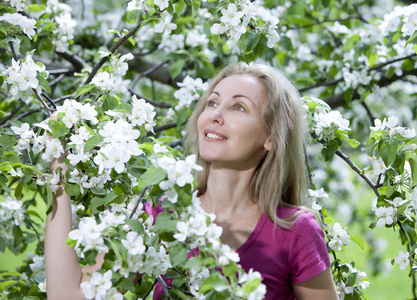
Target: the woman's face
(231, 130)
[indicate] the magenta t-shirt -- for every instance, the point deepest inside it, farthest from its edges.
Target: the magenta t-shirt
(281, 256)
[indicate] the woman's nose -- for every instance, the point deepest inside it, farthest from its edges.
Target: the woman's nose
(216, 116)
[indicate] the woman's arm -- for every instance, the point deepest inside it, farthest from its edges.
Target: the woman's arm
(63, 272)
(320, 287)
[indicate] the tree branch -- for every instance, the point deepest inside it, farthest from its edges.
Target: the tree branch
(153, 102)
(164, 287)
(138, 201)
(358, 171)
(112, 50)
(42, 102)
(162, 128)
(77, 62)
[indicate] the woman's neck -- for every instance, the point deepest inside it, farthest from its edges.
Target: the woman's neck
(227, 192)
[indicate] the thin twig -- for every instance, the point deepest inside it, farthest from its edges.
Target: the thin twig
(368, 111)
(49, 99)
(138, 201)
(28, 113)
(164, 287)
(13, 51)
(328, 21)
(335, 81)
(43, 102)
(149, 71)
(150, 289)
(359, 171)
(392, 61)
(162, 128)
(153, 102)
(37, 235)
(112, 50)
(56, 80)
(12, 113)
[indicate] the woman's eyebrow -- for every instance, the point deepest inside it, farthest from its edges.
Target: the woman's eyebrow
(236, 96)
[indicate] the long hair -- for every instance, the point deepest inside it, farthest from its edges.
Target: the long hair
(281, 177)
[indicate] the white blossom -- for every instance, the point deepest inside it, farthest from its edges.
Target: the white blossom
(165, 26)
(27, 25)
(385, 215)
(402, 259)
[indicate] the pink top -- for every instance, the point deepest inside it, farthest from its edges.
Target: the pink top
(281, 256)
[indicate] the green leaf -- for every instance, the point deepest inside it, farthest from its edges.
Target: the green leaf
(115, 248)
(357, 240)
(93, 141)
(7, 142)
(18, 191)
(99, 201)
(7, 284)
(135, 225)
(153, 175)
(49, 199)
(411, 38)
(84, 89)
(178, 255)
(44, 84)
(177, 67)
(72, 189)
(59, 130)
(164, 222)
(388, 151)
(413, 167)
(109, 103)
(329, 150)
(178, 293)
(214, 282)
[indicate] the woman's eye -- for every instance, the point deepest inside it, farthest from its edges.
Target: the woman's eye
(211, 103)
(238, 107)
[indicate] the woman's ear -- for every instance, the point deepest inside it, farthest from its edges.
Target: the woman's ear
(268, 144)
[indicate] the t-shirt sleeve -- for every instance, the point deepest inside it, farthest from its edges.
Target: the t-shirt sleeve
(308, 254)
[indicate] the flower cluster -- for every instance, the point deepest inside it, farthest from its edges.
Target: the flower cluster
(21, 77)
(142, 113)
(27, 25)
(12, 213)
(410, 20)
(339, 237)
(313, 197)
(76, 112)
(196, 231)
(165, 26)
(178, 171)
(64, 32)
(121, 144)
(329, 122)
(355, 78)
(38, 268)
(119, 64)
(109, 83)
(99, 287)
(347, 286)
(190, 90)
(390, 125)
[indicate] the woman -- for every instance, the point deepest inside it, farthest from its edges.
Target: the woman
(248, 133)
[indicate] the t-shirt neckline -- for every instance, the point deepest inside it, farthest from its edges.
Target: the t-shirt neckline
(253, 235)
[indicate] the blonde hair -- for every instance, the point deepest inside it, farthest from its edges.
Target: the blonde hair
(281, 177)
